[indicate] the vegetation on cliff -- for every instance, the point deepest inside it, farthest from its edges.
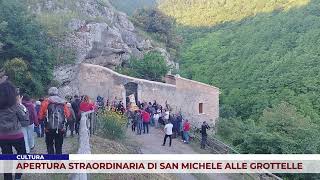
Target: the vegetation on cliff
(55, 15)
(26, 54)
(152, 67)
(41, 35)
(160, 26)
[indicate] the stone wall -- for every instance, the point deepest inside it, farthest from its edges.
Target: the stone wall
(184, 96)
(191, 93)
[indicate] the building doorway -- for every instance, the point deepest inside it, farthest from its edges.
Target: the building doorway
(131, 88)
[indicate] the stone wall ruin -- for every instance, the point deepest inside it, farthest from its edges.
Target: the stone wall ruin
(183, 95)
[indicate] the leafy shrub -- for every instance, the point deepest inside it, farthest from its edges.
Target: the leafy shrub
(18, 71)
(112, 125)
(152, 67)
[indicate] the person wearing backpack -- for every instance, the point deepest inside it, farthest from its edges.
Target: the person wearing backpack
(12, 117)
(55, 111)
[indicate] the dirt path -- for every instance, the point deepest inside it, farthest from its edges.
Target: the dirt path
(152, 144)
(70, 146)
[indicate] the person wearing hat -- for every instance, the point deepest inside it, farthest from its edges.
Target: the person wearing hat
(53, 112)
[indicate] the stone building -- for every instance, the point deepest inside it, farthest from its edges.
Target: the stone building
(196, 101)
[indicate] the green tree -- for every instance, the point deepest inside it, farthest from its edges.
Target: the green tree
(279, 130)
(152, 67)
(160, 26)
(18, 71)
(152, 20)
(24, 38)
(282, 130)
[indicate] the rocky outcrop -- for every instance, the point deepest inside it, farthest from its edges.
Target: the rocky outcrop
(99, 34)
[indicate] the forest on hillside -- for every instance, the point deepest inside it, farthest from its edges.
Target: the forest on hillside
(212, 12)
(130, 6)
(267, 68)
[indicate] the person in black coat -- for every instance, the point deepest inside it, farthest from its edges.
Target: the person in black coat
(204, 134)
(174, 121)
(75, 104)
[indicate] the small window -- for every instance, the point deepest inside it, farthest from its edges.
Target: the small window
(200, 108)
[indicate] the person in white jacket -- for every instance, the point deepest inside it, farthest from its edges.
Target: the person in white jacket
(168, 133)
(156, 117)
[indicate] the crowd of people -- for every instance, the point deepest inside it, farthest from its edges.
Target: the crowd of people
(52, 117)
(142, 115)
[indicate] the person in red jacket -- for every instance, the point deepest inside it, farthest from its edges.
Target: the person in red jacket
(146, 120)
(186, 129)
(86, 105)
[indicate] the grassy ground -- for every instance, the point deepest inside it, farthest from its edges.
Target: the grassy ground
(104, 146)
(101, 145)
(70, 146)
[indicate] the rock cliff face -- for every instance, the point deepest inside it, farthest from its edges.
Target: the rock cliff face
(98, 33)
